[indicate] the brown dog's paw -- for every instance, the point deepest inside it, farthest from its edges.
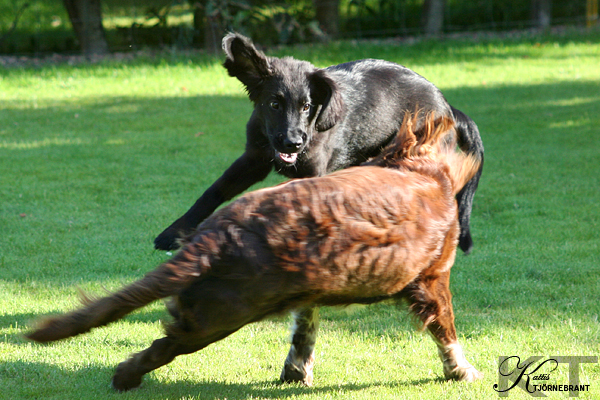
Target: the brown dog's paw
(124, 380)
(466, 374)
(455, 364)
(122, 385)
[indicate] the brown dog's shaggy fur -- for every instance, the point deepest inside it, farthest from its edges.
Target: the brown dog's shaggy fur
(360, 235)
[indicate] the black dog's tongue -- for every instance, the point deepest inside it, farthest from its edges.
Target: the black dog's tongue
(289, 158)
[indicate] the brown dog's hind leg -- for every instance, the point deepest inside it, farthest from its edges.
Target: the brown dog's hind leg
(298, 366)
(431, 301)
(204, 314)
(162, 351)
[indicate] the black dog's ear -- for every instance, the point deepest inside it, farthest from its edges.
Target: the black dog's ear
(325, 92)
(246, 63)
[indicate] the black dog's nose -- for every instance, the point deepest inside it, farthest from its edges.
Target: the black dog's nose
(292, 145)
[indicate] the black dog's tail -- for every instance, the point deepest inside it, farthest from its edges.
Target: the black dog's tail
(166, 280)
(470, 142)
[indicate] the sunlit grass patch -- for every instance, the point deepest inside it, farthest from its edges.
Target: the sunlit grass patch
(95, 160)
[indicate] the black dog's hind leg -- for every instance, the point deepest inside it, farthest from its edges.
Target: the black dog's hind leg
(470, 142)
(298, 366)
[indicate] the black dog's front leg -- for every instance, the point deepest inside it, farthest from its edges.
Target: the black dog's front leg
(243, 173)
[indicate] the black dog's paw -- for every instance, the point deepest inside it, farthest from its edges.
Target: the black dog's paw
(167, 240)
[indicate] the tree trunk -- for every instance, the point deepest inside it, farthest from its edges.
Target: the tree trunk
(327, 14)
(541, 13)
(198, 25)
(592, 13)
(213, 33)
(86, 18)
(433, 16)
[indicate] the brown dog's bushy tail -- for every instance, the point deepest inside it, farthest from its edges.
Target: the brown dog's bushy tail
(166, 280)
(428, 138)
(461, 167)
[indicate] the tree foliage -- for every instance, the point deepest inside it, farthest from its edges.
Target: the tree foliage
(45, 25)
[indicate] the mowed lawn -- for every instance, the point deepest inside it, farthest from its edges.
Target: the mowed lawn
(95, 160)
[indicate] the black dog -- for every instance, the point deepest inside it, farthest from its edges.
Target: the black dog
(309, 122)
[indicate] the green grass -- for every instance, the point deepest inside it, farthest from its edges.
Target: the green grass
(96, 160)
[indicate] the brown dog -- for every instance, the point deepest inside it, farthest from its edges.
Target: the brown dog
(360, 235)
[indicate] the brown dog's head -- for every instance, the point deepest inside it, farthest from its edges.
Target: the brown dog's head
(293, 99)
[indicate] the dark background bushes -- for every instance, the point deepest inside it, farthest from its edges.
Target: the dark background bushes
(44, 27)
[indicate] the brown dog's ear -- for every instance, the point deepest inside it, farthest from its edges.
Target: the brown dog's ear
(326, 94)
(246, 63)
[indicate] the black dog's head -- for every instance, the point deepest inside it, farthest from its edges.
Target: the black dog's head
(293, 100)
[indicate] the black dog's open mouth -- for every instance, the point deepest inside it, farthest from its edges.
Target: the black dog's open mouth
(288, 158)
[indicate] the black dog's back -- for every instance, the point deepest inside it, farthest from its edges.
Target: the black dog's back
(377, 94)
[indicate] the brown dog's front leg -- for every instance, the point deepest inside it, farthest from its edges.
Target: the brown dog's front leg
(436, 307)
(455, 364)
(298, 366)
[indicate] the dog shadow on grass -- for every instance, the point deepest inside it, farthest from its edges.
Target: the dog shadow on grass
(277, 390)
(41, 380)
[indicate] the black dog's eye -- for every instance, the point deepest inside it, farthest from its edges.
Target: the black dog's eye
(306, 107)
(274, 105)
